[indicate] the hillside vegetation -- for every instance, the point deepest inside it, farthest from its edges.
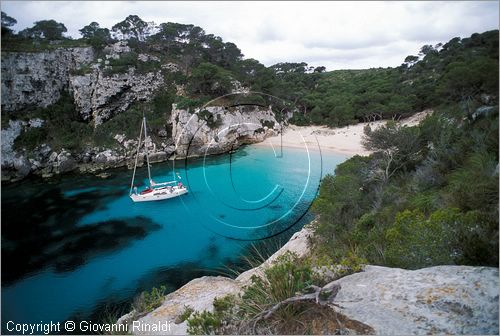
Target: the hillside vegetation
(429, 194)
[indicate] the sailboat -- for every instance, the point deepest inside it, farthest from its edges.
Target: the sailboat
(154, 191)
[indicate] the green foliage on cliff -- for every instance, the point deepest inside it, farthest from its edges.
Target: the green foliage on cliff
(280, 282)
(157, 112)
(439, 206)
(213, 323)
(460, 70)
(287, 277)
(148, 301)
(209, 80)
(62, 127)
(428, 194)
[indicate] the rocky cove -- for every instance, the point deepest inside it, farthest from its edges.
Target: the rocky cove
(193, 136)
(38, 79)
(105, 85)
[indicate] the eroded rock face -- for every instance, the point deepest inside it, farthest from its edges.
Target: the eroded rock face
(99, 97)
(9, 135)
(37, 79)
(436, 300)
(216, 129)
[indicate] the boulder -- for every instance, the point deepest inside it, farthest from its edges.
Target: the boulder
(22, 166)
(158, 157)
(436, 300)
(66, 164)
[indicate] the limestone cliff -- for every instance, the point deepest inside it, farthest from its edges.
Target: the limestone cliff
(191, 135)
(101, 91)
(37, 79)
(218, 129)
(99, 96)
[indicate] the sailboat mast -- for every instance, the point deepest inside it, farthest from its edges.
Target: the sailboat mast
(136, 158)
(146, 146)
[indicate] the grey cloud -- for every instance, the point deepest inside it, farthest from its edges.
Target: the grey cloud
(333, 34)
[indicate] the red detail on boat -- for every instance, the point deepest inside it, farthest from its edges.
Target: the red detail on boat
(147, 191)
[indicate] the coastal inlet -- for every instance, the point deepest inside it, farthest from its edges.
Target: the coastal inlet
(79, 242)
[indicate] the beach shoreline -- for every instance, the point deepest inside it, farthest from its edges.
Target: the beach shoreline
(345, 140)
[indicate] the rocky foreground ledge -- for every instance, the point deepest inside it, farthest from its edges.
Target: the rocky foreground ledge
(435, 300)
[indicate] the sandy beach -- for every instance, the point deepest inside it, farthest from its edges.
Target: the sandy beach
(342, 140)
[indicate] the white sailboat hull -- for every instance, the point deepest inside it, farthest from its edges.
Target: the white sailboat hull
(159, 194)
(155, 191)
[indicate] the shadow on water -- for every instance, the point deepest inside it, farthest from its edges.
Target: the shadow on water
(113, 306)
(42, 230)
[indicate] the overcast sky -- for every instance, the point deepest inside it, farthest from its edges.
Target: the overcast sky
(338, 35)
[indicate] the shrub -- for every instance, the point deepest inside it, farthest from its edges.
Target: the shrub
(31, 138)
(149, 66)
(208, 323)
(475, 185)
(268, 123)
(477, 239)
(62, 127)
(414, 241)
(203, 323)
(148, 301)
(287, 276)
(184, 315)
(184, 103)
(122, 64)
(213, 121)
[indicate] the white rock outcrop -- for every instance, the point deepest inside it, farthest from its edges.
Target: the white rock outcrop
(217, 129)
(99, 97)
(195, 294)
(8, 137)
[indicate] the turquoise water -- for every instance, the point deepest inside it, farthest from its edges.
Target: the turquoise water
(77, 244)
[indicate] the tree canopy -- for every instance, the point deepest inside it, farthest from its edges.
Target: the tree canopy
(98, 37)
(45, 29)
(7, 22)
(133, 27)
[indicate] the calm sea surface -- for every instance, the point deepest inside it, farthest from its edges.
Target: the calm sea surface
(76, 246)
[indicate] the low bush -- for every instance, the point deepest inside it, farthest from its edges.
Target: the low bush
(148, 301)
(184, 315)
(213, 323)
(286, 277)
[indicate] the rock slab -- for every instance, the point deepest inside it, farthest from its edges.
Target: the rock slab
(453, 300)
